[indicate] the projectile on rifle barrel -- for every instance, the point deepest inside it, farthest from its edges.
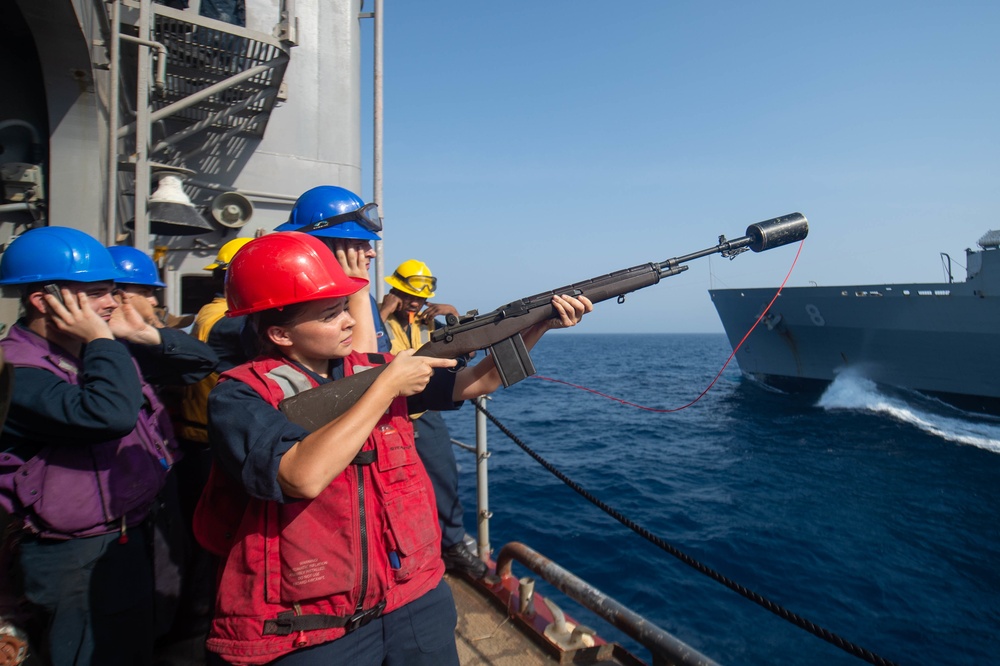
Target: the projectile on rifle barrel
(777, 232)
(761, 236)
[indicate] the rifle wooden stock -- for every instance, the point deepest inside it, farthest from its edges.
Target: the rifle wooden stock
(500, 329)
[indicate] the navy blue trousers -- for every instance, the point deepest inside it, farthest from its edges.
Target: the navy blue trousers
(91, 599)
(438, 455)
(421, 633)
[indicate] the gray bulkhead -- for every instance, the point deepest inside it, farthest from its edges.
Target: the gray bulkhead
(270, 137)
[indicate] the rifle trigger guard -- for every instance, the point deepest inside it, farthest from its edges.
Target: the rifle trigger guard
(621, 298)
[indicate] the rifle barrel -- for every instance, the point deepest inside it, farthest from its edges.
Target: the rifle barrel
(759, 237)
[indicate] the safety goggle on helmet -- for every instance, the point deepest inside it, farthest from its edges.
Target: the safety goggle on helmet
(329, 211)
(366, 217)
(414, 278)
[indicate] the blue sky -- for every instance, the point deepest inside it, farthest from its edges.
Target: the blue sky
(529, 145)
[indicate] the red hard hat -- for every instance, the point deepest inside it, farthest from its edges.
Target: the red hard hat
(284, 268)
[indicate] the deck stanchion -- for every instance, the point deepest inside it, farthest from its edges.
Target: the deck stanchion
(482, 483)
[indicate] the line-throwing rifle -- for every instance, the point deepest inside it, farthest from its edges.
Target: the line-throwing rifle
(500, 330)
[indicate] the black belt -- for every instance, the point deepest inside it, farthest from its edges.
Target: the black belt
(364, 457)
(288, 622)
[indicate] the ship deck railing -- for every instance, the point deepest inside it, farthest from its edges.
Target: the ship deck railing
(515, 602)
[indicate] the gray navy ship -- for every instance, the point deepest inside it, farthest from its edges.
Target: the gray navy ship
(940, 339)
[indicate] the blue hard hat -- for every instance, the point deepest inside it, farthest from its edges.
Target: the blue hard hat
(135, 266)
(51, 254)
(329, 211)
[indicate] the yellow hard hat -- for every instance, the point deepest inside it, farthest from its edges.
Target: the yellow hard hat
(414, 278)
(226, 253)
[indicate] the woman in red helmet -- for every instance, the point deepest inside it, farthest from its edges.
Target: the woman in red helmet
(333, 555)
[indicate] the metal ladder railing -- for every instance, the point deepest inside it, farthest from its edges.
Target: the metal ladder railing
(213, 81)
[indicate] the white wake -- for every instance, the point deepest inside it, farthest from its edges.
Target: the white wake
(854, 392)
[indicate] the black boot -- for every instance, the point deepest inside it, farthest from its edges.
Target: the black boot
(459, 558)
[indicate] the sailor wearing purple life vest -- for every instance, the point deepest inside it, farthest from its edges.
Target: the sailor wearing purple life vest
(333, 555)
(86, 447)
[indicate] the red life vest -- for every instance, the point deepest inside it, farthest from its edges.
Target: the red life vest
(306, 572)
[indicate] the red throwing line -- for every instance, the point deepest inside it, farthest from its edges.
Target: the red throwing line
(715, 379)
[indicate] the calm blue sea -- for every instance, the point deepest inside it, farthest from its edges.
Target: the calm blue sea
(870, 513)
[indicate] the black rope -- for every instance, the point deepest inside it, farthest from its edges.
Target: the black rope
(781, 612)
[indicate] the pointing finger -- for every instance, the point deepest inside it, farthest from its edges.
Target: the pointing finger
(442, 362)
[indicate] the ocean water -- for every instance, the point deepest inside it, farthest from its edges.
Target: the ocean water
(871, 513)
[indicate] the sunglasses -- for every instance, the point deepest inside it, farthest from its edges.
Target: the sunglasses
(366, 216)
(418, 283)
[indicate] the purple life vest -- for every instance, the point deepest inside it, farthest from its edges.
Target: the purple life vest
(78, 490)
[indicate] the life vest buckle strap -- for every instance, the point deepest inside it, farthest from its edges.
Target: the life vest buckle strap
(359, 620)
(288, 622)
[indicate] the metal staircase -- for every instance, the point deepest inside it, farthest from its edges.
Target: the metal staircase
(196, 93)
(242, 68)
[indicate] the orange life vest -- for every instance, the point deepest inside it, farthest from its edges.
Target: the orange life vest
(307, 572)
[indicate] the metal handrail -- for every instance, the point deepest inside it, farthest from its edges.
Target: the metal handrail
(662, 645)
(208, 92)
(161, 59)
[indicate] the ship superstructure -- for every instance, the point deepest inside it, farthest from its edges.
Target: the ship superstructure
(171, 131)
